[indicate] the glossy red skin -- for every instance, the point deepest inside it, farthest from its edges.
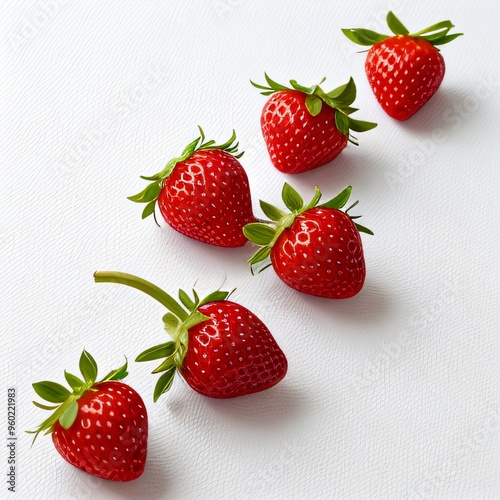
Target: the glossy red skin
(112, 417)
(321, 254)
(404, 73)
(296, 140)
(232, 354)
(207, 197)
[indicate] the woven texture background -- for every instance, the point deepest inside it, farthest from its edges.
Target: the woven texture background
(390, 394)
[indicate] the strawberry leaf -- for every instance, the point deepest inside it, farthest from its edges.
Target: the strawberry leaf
(88, 367)
(259, 233)
(68, 417)
(171, 322)
(149, 193)
(149, 209)
(44, 407)
(395, 25)
(340, 200)
(445, 39)
(291, 198)
(164, 383)
(186, 300)
(74, 382)
(217, 296)
(260, 255)
(342, 122)
(117, 374)
(363, 229)
(157, 352)
(313, 104)
(271, 211)
(359, 125)
(345, 94)
(166, 365)
(364, 37)
(51, 391)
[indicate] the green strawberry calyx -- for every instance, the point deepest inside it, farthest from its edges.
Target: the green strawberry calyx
(64, 401)
(150, 193)
(339, 99)
(181, 316)
(265, 233)
(437, 34)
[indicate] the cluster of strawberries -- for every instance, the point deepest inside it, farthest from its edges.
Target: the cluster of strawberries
(220, 348)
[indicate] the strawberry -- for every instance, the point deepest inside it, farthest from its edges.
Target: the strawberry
(221, 349)
(304, 127)
(203, 193)
(404, 70)
(99, 427)
(315, 249)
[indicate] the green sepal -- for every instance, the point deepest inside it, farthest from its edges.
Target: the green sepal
(118, 374)
(363, 229)
(74, 382)
(166, 365)
(259, 233)
(186, 300)
(69, 416)
(148, 194)
(437, 34)
(270, 211)
(445, 39)
(260, 255)
(345, 94)
(44, 407)
(291, 198)
(339, 99)
(338, 201)
(359, 125)
(363, 37)
(171, 322)
(295, 204)
(164, 383)
(66, 410)
(51, 391)
(88, 367)
(217, 296)
(314, 104)
(342, 122)
(395, 25)
(151, 192)
(157, 352)
(149, 209)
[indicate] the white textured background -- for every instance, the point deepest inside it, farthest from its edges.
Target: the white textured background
(391, 394)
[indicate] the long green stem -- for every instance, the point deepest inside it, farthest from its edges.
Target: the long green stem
(144, 286)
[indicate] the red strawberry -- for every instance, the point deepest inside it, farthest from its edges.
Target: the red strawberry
(405, 70)
(100, 427)
(221, 349)
(204, 193)
(304, 127)
(315, 249)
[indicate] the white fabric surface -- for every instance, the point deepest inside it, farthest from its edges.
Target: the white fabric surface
(391, 394)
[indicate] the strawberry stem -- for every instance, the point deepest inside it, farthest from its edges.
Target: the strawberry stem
(144, 286)
(176, 322)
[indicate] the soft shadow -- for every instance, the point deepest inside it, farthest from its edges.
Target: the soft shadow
(371, 304)
(444, 109)
(274, 407)
(348, 168)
